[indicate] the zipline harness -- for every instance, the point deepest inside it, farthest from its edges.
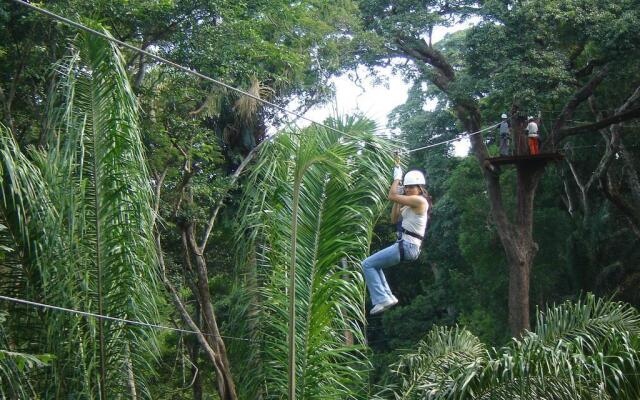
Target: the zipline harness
(402, 231)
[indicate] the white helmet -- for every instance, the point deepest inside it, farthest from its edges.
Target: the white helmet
(414, 177)
(504, 116)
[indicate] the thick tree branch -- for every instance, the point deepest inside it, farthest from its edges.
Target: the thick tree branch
(420, 50)
(615, 119)
(578, 98)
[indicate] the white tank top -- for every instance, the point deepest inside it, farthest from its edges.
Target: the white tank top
(414, 222)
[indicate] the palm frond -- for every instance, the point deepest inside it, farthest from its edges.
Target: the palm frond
(341, 185)
(441, 357)
(123, 208)
(583, 350)
(82, 210)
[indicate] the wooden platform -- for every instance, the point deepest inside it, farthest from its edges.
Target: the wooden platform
(526, 159)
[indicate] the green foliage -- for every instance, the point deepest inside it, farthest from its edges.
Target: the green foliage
(80, 212)
(532, 54)
(583, 350)
(341, 181)
(15, 368)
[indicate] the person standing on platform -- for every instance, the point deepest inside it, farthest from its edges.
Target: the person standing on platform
(503, 128)
(534, 139)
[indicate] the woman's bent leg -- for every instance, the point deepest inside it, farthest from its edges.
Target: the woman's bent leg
(373, 275)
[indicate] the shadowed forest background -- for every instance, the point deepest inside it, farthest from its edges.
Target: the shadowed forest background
(138, 191)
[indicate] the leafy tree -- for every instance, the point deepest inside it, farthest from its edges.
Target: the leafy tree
(535, 58)
(80, 214)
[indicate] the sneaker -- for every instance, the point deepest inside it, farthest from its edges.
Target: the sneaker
(378, 308)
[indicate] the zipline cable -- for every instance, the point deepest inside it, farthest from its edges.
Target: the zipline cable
(465, 135)
(106, 317)
(217, 81)
(115, 319)
(173, 64)
(213, 80)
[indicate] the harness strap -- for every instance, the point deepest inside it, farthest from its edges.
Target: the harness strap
(400, 231)
(415, 235)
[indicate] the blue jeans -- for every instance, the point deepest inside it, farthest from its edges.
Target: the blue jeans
(373, 265)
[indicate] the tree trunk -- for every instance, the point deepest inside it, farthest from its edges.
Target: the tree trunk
(516, 237)
(518, 124)
(519, 280)
(521, 261)
(226, 386)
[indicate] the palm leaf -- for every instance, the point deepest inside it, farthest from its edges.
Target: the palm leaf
(441, 357)
(340, 183)
(583, 350)
(81, 213)
(123, 216)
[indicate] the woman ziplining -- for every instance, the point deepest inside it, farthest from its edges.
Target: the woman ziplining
(412, 206)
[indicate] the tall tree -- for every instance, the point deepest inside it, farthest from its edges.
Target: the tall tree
(527, 61)
(80, 214)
